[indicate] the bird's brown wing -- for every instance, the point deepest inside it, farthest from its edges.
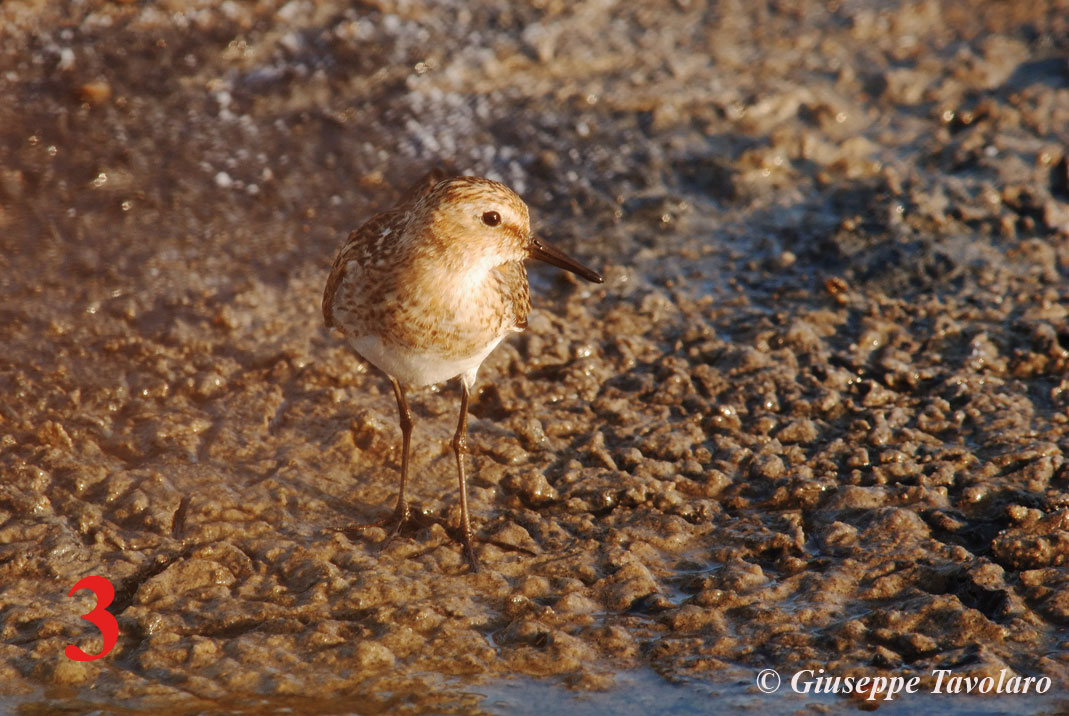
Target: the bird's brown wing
(366, 240)
(357, 247)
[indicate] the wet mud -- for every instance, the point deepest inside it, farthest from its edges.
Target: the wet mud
(817, 416)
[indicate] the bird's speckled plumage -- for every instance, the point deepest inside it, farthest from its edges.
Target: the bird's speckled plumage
(429, 279)
(426, 290)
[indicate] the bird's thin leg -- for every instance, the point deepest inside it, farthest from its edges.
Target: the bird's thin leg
(460, 447)
(401, 512)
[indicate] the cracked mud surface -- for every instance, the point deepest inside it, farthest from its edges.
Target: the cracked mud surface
(815, 418)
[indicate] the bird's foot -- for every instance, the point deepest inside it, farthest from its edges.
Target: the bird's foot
(392, 523)
(466, 540)
(470, 554)
(402, 516)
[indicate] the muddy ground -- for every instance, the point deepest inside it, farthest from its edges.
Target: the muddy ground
(815, 418)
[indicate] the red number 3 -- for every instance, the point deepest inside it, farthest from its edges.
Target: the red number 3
(99, 617)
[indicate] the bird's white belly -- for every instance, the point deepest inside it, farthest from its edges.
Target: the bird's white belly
(417, 369)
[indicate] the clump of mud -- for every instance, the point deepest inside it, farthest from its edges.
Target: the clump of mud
(815, 418)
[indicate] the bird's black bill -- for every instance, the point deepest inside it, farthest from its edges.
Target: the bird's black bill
(544, 252)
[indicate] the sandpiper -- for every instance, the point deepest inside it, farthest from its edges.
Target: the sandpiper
(426, 290)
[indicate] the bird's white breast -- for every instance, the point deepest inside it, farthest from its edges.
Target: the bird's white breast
(416, 368)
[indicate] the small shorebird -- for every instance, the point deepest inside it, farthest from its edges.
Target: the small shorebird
(426, 290)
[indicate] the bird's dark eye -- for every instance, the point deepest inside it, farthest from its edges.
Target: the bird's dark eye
(491, 218)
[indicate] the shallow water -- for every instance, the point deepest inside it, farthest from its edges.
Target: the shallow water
(815, 418)
(646, 692)
(631, 692)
